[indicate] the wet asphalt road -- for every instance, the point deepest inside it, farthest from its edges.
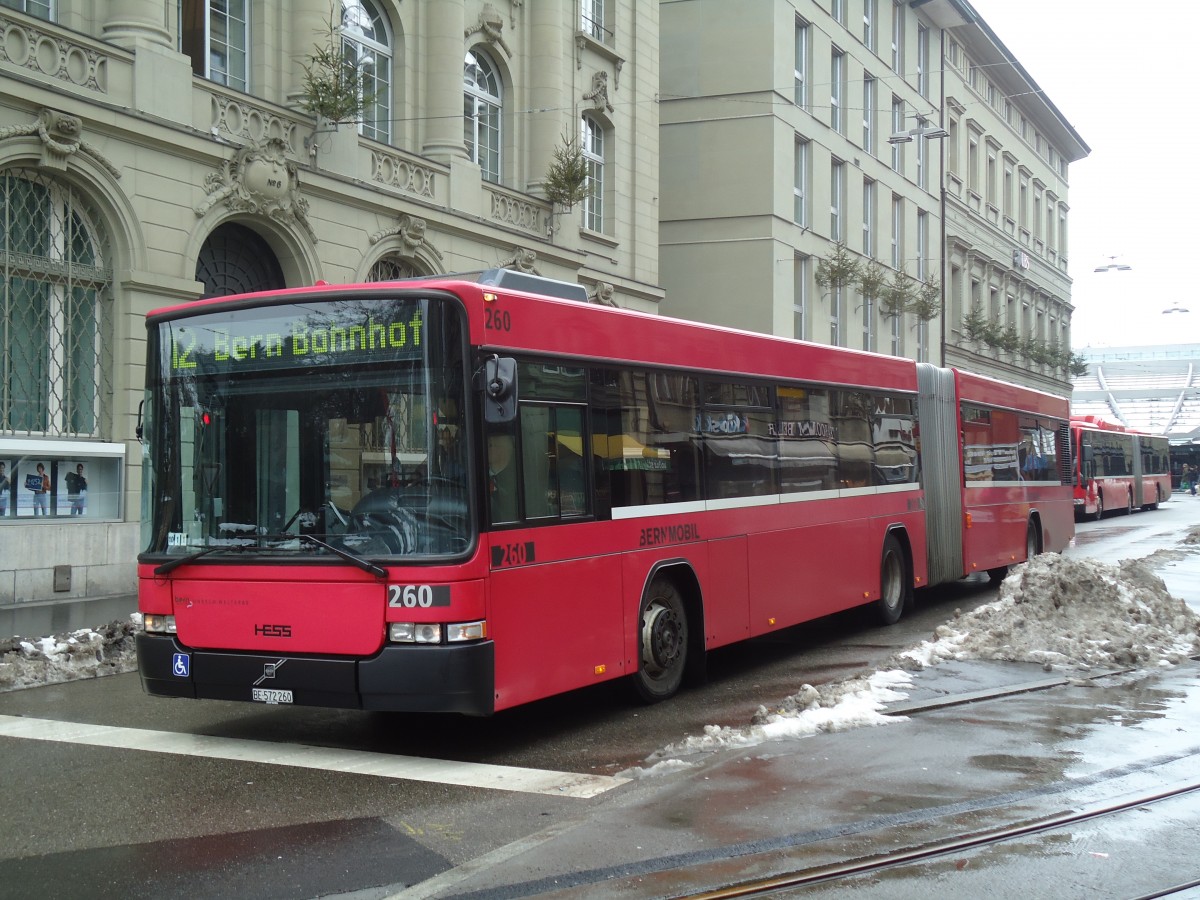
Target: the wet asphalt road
(132, 823)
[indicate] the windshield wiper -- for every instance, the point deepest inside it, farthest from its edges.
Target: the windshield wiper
(174, 564)
(365, 564)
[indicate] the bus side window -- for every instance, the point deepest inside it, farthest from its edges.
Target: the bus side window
(552, 464)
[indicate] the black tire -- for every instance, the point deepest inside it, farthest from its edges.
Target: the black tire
(894, 588)
(996, 575)
(1033, 546)
(662, 642)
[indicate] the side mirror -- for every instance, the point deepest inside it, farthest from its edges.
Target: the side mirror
(499, 390)
(140, 429)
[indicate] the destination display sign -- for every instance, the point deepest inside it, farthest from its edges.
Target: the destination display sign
(302, 335)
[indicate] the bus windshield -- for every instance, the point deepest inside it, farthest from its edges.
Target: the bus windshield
(317, 428)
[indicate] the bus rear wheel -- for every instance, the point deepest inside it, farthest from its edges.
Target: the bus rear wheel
(662, 642)
(1032, 544)
(894, 590)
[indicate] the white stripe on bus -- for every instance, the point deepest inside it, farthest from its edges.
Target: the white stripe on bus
(327, 759)
(695, 506)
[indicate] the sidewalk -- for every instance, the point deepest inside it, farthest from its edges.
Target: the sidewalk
(46, 617)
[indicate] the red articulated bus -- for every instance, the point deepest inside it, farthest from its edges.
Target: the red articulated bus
(1117, 468)
(450, 495)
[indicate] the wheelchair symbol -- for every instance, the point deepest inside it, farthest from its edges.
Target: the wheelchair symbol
(180, 665)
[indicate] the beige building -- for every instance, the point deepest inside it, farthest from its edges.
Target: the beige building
(156, 151)
(903, 130)
(1008, 296)
(776, 120)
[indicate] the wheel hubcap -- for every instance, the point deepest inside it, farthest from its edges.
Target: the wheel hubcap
(662, 630)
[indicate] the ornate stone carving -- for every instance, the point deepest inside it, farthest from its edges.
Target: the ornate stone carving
(602, 293)
(491, 27)
(598, 95)
(523, 260)
(411, 231)
(260, 180)
(53, 55)
(403, 174)
(62, 138)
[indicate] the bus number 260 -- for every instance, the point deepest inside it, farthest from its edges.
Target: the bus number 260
(498, 320)
(418, 596)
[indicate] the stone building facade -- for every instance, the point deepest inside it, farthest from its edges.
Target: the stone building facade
(903, 131)
(153, 152)
(1008, 294)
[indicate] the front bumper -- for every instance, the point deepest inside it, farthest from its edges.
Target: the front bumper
(458, 678)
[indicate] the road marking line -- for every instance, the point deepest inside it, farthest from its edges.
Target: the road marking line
(328, 759)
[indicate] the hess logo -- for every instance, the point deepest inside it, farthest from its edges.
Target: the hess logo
(280, 631)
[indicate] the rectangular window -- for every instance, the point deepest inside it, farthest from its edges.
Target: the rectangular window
(990, 181)
(800, 183)
(952, 146)
(897, 232)
(593, 155)
(973, 164)
(898, 36)
(801, 63)
(837, 90)
(868, 323)
(897, 128)
(40, 9)
(553, 473)
(800, 298)
(923, 60)
(868, 138)
(837, 194)
(591, 21)
(922, 157)
(922, 245)
(1008, 192)
(868, 218)
(869, 13)
(215, 36)
(648, 423)
(738, 434)
(837, 9)
(836, 305)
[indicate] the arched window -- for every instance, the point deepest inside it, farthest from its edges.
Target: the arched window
(236, 260)
(393, 268)
(482, 106)
(54, 309)
(366, 44)
(592, 143)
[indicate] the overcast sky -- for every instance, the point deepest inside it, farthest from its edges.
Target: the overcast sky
(1118, 73)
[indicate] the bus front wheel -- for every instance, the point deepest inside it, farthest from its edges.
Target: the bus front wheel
(662, 642)
(894, 589)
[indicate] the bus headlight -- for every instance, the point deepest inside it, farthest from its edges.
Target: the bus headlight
(466, 631)
(155, 624)
(435, 633)
(415, 633)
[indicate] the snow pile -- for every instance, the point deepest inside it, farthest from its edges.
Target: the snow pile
(1066, 614)
(86, 653)
(1071, 614)
(840, 706)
